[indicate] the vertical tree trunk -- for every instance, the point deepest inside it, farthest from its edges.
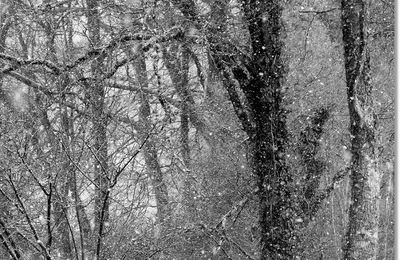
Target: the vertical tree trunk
(61, 205)
(259, 76)
(178, 69)
(99, 121)
(3, 35)
(268, 136)
(386, 216)
(218, 27)
(5, 237)
(80, 212)
(150, 154)
(62, 234)
(361, 241)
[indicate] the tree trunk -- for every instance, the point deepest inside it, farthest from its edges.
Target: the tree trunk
(4, 98)
(361, 240)
(259, 77)
(62, 235)
(267, 128)
(178, 70)
(99, 121)
(150, 154)
(218, 27)
(65, 179)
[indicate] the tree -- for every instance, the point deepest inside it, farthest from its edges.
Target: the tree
(184, 129)
(362, 234)
(151, 156)
(259, 76)
(96, 96)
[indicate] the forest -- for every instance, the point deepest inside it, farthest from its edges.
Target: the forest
(197, 129)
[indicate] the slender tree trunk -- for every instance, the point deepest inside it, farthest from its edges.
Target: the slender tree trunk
(361, 240)
(386, 216)
(81, 216)
(61, 205)
(150, 155)
(178, 69)
(80, 212)
(6, 239)
(218, 27)
(99, 120)
(62, 234)
(3, 35)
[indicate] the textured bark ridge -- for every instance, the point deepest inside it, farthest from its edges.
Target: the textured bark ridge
(362, 234)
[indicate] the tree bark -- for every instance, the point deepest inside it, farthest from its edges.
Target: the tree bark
(3, 35)
(150, 155)
(268, 134)
(361, 240)
(259, 76)
(61, 222)
(99, 121)
(178, 70)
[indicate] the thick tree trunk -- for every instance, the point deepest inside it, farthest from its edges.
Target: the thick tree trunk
(259, 77)
(268, 136)
(361, 241)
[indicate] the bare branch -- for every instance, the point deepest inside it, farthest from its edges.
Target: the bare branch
(175, 33)
(21, 62)
(118, 173)
(319, 11)
(12, 248)
(130, 87)
(47, 193)
(236, 208)
(28, 219)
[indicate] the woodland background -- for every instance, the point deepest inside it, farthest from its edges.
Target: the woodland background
(121, 139)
